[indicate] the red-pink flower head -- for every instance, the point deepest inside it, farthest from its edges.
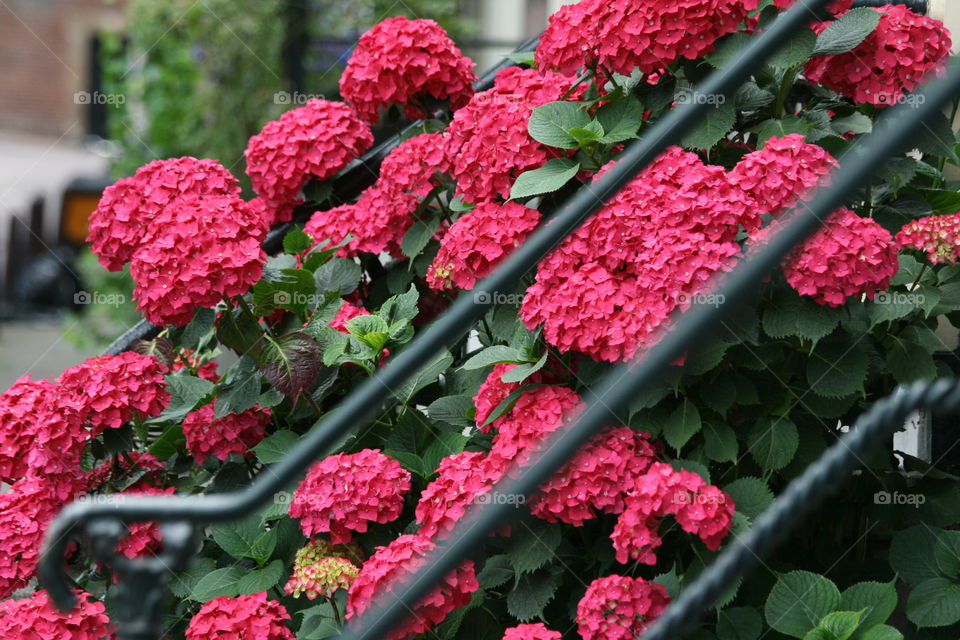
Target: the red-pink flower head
(462, 480)
(478, 242)
(347, 491)
(489, 143)
(619, 608)
(785, 170)
(412, 166)
(396, 562)
(494, 390)
(188, 359)
(142, 538)
(252, 617)
(316, 140)
(406, 62)
(939, 236)
(536, 631)
(699, 508)
(849, 256)
(125, 217)
(537, 414)
(114, 389)
(893, 60)
(37, 618)
(345, 314)
(205, 250)
(616, 37)
(219, 437)
(596, 479)
(377, 222)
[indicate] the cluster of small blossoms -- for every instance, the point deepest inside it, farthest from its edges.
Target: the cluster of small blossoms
(699, 508)
(219, 437)
(405, 62)
(347, 491)
(477, 242)
(37, 618)
(142, 538)
(849, 256)
(489, 144)
(320, 569)
(394, 563)
(785, 170)
(124, 218)
(318, 139)
(938, 236)
(613, 283)
(538, 413)
(114, 389)
(462, 479)
(250, 617)
(494, 391)
(617, 37)
(619, 608)
(378, 220)
(536, 631)
(896, 58)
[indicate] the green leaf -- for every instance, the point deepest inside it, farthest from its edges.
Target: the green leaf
(750, 97)
(455, 410)
(908, 361)
(291, 363)
(773, 443)
(418, 236)
(296, 242)
(727, 48)
(912, 554)
(795, 52)
(789, 314)
(682, 425)
(739, 623)
(751, 496)
(339, 275)
(839, 625)
(498, 354)
(523, 371)
(496, 571)
(620, 120)
(547, 179)
(199, 328)
(183, 583)
(427, 376)
(401, 308)
(274, 447)
(934, 603)
(243, 390)
(318, 623)
(551, 122)
(168, 442)
(531, 595)
(532, 546)
(716, 123)
(238, 331)
(720, 394)
(780, 128)
(260, 579)
(798, 601)
(947, 553)
(846, 32)
(186, 392)
(876, 599)
(881, 632)
(507, 403)
(854, 123)
(837, 368)
(937, 138)
(721, 442)
(445, 445)
(521, 57)
(245, 538)
(220, 582)
(585, 135)
(371, 330)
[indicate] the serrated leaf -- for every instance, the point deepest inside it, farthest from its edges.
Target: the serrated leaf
(716, 123)
(620, 120)
(260, 579)
(296, 242)
(795, 52)
(274, 447)
(881, 632)
(426, 376)
(243, 390)
(183, 583)
(547, 179)
(720, 394)
(456, 410)
(496, 571)
(339, 275)
(523, 371)
(908, 361)
(779, 128)
(497, 354)
(773, 443)
(219, 582)
(721, 442)
(245, 538)
(531, 595)
(798, 601)
(418, 236)
(726, 49)
(751, 496)
(854, 123)
(877, 600)
(238, 331)
(839, 625)
(199, 328)
(739, 623)
(934, 603)
(789, 314)
(947, 553)
(186, 392)
(846, 32)
(912, 554)
(446, 444)
(750, 97)
(837, 368)
(532, 546)
(291, 363)
(550, 123)
(682, 425)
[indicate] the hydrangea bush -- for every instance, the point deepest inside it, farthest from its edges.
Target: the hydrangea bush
(601, 549)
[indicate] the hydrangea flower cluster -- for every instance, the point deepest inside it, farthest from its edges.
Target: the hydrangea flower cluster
(938, 236)
(321, 569)
(219, 437)
(493, 391)
(538, 413)
(318, 139)
(390, 565)
(596, 479)
(403, 62)
(142, 538)
(849, 256)
(489, 144)
(124, 218)
(251, 617)
(536, 631)
(619, 608)
(612, 283)
(345, 492)
(345, 314)
(413, 165)
(478, 242)
(896, 58)
(785, 170)
(114, 389)
(37, 618)
(616, 37)
(699, 508)
(462, 479)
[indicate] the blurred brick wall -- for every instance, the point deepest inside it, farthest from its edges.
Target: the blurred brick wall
(45, 60)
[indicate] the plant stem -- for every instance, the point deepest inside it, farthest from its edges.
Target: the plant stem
(336, 611)
(923, 269)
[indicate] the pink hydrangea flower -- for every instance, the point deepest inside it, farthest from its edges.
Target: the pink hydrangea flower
(142, 538)
(619, 608)
(412, 166)
(37, 618)
(616, 37)
(849, 256)
(537, 414)
(316, 140)
(206, 249)
(321, 569)
(478, 242)
(403, 62)
(896, 58)
(219, 437)
(345, 314)
(536, 631)
(699, 508)
(493, 391)
(347, 491)
(113, 389)
(394, 563)
(252, 617)
(939, 236)
(785, 170)
(125, 216)
(462, 480)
